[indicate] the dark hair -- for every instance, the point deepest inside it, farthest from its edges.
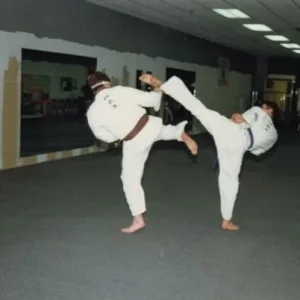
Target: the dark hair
(97, 77)
(275, 109)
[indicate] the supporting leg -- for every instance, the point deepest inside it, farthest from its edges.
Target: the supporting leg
(132, 172)
(230, 166)
(171, 132)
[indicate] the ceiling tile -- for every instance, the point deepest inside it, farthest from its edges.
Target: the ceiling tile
(196, 17)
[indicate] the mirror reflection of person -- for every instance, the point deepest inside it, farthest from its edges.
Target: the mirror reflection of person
(87, 96)
(168, 114)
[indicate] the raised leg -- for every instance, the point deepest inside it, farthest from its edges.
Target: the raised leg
(210, 119)
(132, 172)
(171, 132)
(228, 138)
(230, 162)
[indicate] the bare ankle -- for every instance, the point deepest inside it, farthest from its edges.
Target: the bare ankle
(139, 219)
(229, 225)
(190, 143)
(184, 136)
(138, 223)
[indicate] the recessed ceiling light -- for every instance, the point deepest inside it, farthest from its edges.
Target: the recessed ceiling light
(258, 27)
(296, 51)
(231, 13)
(290, 46)
(277, 38)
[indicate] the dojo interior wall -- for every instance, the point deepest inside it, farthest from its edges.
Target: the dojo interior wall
(55, 71)
(121, 66)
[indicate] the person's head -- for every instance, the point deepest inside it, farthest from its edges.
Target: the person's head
(98, 81)
(271, 108)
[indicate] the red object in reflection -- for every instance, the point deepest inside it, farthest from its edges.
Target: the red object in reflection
(38, 98)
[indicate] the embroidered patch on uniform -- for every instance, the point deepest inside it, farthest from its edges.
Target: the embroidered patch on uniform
(110, 101)
(269, 125)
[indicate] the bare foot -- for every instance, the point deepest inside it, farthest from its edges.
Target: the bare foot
(137, 224)
(134, 227)
(190, 143)
(150, 80)
(228, 225)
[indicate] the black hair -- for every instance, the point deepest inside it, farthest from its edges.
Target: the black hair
(275, 108)
(97, 77)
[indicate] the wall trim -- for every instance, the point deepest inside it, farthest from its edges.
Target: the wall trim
(47, 157)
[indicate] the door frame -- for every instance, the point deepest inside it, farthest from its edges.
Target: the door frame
(290, 105)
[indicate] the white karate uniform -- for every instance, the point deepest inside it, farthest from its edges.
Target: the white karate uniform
(112, 116)
(232, 140)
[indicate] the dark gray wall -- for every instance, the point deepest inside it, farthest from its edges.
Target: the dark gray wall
(286, 66)
(283, 65)
(82, 22)
(261, 72)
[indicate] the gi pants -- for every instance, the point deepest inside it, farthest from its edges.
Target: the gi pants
(231, 140)
(135, 154)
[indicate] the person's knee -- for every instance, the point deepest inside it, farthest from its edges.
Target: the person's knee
(125, 177)
(129, 179)
(229, 181)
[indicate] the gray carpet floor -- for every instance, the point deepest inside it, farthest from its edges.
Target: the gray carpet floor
(60, 238)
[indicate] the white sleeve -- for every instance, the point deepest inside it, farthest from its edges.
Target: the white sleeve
(104, 135)
(267, 145)
(145, 99)
(251, 115)
(263, 149)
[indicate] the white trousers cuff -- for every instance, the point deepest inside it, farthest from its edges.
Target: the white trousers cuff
(180, 130)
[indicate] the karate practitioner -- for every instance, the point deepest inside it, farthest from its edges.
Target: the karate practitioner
(118, 113)
(252, 131)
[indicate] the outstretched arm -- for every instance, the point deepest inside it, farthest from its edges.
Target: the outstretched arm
(145, 99)
(152, 81)
(238, 118)
(251, 115)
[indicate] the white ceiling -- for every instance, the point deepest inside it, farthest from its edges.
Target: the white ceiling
(196, 17)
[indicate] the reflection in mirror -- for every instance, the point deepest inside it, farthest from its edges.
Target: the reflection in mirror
(54, 100)
(174, 112)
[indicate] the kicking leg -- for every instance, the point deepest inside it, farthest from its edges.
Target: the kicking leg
(230, 166)
(132, 172)
(174, 87)
(171, 132)
(223, 131)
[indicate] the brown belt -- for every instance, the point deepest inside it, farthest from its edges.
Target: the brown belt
(137, 128)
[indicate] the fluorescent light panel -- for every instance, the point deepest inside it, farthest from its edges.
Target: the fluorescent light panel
(277, 38)
(258, 27)
(290, 46)
(296, 51)
(231, 13)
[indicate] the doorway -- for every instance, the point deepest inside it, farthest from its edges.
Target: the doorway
(281, 89)
(174, 112)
